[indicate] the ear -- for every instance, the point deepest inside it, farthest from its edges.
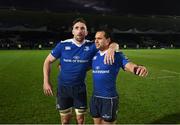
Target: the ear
(109, 41)
(87, 33)
(72, 31)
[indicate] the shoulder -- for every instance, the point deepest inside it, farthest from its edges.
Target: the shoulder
(66, 41)
(96, 56)
(89, 42)
(120, 55)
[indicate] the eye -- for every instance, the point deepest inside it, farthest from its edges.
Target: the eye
(82, 28)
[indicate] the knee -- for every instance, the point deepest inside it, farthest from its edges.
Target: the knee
(65, 115)
(80, 115)
(80, 120)
(65, 121)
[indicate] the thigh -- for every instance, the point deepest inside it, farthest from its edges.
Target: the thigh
(64, 100)
(94, 108)
(109, 109)
(80, 97)
(63, 103)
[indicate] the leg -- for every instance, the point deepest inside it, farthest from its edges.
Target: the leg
(65, 119)
(97, 121)
(107, 123)
(80, 119)
(80, 103)
(109, 116)
(80, 116)
(94, 110)
(66, 115)
(64, 104)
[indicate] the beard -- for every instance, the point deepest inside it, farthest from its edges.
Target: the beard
(79, 38)
(97, 45)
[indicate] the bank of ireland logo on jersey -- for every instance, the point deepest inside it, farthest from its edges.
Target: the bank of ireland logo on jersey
(76, 57)
(86, 48)
(67, 48)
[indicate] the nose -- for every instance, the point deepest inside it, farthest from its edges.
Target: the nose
(79, 31)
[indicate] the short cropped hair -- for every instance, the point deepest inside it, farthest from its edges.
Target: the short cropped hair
(79, 20)
(108, 33)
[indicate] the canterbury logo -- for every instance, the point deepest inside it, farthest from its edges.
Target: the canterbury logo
(67, 48)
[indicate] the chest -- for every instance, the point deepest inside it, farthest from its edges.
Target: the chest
(98, 63)
(74, 52)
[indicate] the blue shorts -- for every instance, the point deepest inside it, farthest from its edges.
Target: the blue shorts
(105, 108)
(71, 96)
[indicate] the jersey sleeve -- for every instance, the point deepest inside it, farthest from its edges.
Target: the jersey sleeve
(122, 59)
(56, 52)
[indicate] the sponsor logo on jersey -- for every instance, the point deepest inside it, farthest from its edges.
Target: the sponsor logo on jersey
(97, 67)
(76, 57)
(97, 70)
(86, 48)
(94, 58)
(67, 48)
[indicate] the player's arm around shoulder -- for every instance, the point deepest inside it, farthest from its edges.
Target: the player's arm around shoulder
(136, 69)
(47, 86)
(109, 56)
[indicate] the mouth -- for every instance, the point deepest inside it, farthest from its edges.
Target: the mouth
(97, 45)
(80, 35)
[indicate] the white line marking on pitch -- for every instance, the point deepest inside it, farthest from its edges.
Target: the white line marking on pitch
(163, 77)
(173, 72)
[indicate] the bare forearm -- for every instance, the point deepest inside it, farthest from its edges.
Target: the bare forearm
(47, 67)
(47, 87)
(46, 71)
(130, 67)
(136, 69)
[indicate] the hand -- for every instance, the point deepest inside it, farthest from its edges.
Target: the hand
(47, 87)
(141, 71)
(109, 57)
(59, 66)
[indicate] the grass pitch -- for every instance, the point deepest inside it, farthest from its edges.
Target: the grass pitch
(154, 99)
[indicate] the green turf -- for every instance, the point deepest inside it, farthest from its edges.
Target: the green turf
(155, 99)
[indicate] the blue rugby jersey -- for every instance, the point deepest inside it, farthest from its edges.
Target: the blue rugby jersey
(104, 76)
(75, 60)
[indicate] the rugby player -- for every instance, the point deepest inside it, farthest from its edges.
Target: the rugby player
(104, 101)
(75, 56)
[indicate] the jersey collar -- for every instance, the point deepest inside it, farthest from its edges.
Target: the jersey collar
(79, 45)
(102, 53)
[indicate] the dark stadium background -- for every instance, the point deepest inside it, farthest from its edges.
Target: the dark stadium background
(33, 24)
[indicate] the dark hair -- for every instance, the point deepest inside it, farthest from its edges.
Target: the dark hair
(78, 20)
(108, 33)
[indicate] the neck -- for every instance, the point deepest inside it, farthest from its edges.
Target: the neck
(78, 42)
(104, 49)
